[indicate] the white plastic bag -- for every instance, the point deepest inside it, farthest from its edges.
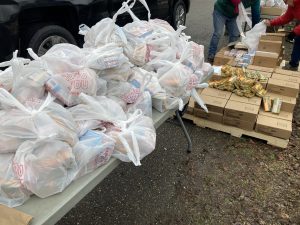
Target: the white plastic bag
(6, 79)
(68, 86)
(106, 57)
(102, 86)
(39, 120)
(49, 166)
(144, 103)
(121, 73)
(62, 58)
(12, 192)
(281, 4)
(243, 18)
(123, 90)
(270, 3)
(136, 139)
(30, 83)
(176, 79)
(93, 150)
(196, 59)
(146, 81)
(94, 111)
(104, 32)
(251, 39)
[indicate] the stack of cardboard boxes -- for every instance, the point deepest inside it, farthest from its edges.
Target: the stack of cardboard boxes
(270, 51)
(241, 112)
(215, 101)
(284, 85)
(247, 113)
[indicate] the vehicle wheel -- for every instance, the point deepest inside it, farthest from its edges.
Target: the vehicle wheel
(44, 38)
(179, 14)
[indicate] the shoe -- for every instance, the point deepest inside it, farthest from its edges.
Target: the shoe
(289, 67)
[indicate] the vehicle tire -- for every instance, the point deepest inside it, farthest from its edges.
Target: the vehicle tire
(179, 14)
(45, 37)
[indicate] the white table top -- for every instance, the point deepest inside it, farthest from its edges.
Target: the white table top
(50, 210)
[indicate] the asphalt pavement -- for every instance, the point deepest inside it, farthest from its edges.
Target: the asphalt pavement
(148, 194)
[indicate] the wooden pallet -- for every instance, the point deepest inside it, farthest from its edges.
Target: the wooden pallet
(237, 132)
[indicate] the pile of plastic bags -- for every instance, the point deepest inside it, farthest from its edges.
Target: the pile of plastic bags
(66, 113)
(273, 3)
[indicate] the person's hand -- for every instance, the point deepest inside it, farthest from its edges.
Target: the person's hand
(267, 22)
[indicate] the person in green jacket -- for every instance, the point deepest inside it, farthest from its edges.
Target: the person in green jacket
(225, 14)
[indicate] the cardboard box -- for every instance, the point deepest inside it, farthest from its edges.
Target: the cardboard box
(212, 116)
(282, 115)
(243, 124)
(274, 127)
(271, 11)
(213, 104)
(216, 93)
(287, 72)
(266, 59)
(273, 37)
(241, 111)
(278, 76)
(266, 74)
(252, 101)
(220, 59)
(283, 87)
(261, 68)
(270, 46)
(288, 103)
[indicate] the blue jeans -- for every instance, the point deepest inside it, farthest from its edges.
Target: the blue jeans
(296, 53)
(220, 21)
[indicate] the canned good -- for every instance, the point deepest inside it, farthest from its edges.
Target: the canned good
(277, 102)
(267, 103)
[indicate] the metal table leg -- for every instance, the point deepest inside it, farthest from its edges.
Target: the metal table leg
(189, 150)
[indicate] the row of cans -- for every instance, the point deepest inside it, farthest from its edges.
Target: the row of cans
(269, 107)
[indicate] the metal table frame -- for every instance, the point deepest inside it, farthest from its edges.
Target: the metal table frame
(50, 210)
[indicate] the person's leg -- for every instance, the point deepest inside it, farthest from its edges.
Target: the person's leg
(219, 23)
(233, 30)
(296, 53)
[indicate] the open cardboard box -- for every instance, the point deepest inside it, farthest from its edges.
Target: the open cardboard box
(288, 103)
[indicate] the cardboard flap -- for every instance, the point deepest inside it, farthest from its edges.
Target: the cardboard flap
(10, 216)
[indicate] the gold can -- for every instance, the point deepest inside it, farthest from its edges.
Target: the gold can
(267, 103)
(277, 102)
